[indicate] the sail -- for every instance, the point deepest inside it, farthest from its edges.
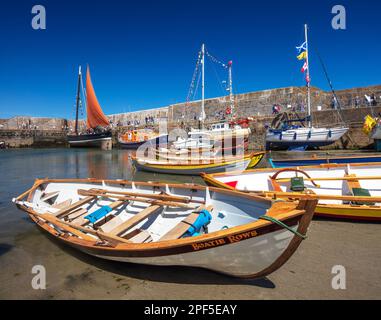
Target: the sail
(95, 115)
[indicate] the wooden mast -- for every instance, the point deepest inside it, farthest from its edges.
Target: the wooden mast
(78, 99)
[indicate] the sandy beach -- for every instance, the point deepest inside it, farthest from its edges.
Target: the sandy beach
(73, 275)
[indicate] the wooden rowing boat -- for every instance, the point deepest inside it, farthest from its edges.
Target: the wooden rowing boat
(191, 166)
(226, 231)
(344, 191)
(314, 160)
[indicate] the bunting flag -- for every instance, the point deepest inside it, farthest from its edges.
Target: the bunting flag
(305, 67)
(303, 47)
(369, 124)
(302, 56)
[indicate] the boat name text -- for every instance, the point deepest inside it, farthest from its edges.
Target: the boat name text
(219, 242)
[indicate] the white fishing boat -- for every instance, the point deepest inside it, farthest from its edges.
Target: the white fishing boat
(170, 224)
(303, 137)
(229, 131)
(290, 136)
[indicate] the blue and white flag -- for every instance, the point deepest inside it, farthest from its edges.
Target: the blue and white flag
(303, 47)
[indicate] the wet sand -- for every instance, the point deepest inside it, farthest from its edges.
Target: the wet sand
(73, 275)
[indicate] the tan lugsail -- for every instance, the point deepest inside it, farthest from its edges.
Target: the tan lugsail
(95, 115)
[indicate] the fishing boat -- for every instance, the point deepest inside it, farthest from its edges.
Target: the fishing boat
(344, 191)
(197, 141)
(228, 130)
(314, 160)
(98, 133)
(150, 223)
(133, 139)
(290, 136)
(190, 166)
(218, 149)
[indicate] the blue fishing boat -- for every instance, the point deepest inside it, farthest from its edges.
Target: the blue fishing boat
(287, 163)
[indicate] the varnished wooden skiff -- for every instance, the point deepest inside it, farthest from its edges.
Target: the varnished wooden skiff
(152, 223)
(344, 191)
(190, 166)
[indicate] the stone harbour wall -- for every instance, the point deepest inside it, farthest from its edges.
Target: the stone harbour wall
(32, 131)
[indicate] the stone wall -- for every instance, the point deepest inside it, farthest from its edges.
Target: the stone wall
(33, 138)
(260, 103)
(33, 123)
(254, 104)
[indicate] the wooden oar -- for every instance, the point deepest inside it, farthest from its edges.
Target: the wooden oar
(333, 179)
(78, 230)
(144, 200)
(66, 211)
(296, 195)
(163, 197)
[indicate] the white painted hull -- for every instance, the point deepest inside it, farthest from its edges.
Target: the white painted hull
(237, 259)
(305, 136)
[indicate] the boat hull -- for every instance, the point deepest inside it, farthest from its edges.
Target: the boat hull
(304, 137)
(310, 162)
(88, 140)
(239, 164)
(154, 142)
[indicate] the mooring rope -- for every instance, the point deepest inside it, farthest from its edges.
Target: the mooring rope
(280, 223)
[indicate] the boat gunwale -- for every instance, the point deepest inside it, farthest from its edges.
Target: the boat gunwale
(318, 166)
(184, 241)
(327, 159)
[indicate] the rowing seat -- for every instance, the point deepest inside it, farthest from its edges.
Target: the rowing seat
(62, 204)
(142, 237)
(136, 219)
(49, 196)
(182, 227)
(76, 214)
(356, 190)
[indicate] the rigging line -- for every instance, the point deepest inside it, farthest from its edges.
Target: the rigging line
(219, 80)
(330, 84)
(196, 70)
(197, 85)
(84, 95)
(191, 87)
(215, 60)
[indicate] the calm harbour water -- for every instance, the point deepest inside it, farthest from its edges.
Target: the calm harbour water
(22, 245)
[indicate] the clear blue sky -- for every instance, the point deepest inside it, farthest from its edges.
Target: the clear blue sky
(142, 53)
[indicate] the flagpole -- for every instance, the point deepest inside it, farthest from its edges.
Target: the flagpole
(203, 85)
(308, 78)
(230, 64)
